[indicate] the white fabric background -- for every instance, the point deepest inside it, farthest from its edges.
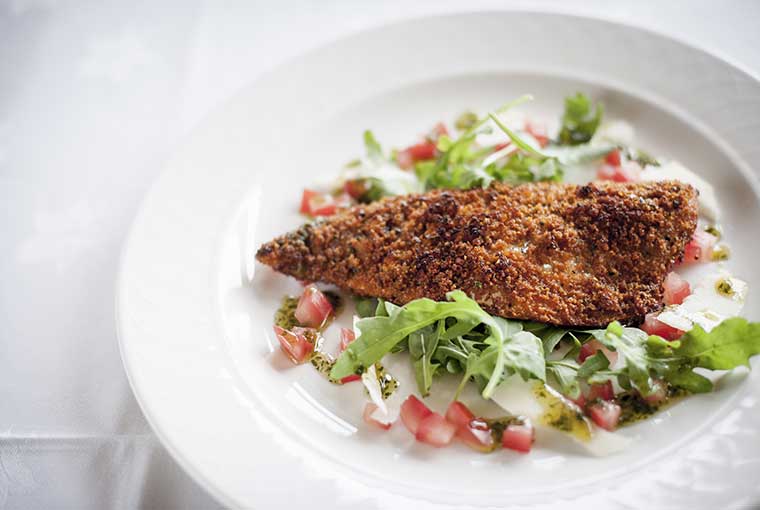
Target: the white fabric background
(93, 97)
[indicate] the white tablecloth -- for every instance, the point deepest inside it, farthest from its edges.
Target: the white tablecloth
(93, 97)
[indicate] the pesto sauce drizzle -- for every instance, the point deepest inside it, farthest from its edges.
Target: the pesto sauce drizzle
(720, 252)
(634, 408)
(388, 384)
(562, 414)
(285, 315)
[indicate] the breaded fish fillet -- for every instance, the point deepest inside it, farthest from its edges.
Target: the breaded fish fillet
(555, 253)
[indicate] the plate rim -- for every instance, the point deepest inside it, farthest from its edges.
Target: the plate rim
(162, 434)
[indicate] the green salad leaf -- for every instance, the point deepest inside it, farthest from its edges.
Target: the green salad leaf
(376, 336)
(580, 120)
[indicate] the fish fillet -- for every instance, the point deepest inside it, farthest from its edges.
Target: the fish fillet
(554, 253)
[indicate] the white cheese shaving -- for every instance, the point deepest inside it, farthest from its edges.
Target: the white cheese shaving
(518, 398)
(707, 306)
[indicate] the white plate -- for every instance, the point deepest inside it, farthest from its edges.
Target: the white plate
(195, 313)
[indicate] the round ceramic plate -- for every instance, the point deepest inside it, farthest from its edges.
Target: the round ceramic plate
(195, 311)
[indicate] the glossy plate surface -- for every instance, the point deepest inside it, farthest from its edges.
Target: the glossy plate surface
(195, 312)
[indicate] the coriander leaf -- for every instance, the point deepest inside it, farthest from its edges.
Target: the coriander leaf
(593, 364)
(727, 346)
(580, 120)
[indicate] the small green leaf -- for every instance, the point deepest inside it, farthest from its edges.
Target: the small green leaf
(593, 364)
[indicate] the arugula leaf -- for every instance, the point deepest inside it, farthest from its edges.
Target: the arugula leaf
(520, 353)
(374, 151)
(378, 335)
(593, 364)
(564, 374)
(631, 344)
(550, 337)
(580, 121)
(422, 346)
(727, 346)
(366, 307)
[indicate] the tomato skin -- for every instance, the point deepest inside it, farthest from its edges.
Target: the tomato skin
(602, 391)
(519, 437)
(605, 414)
(652, 326)
(422, 151)
(624, 173)
(306, 200)
(438, 131)
(435, 431)
(351, 378)
(355, 188)
(294, 343)
(346, 337)
(699, 249)
(613, 158)
(676, 289)
(500, 146)
(472, 431)
(458, 414)
(370, 408)
(592, 347)
(413, 411)
(313, 307)
(659, 393)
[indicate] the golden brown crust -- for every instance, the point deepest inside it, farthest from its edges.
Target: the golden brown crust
(553, 253)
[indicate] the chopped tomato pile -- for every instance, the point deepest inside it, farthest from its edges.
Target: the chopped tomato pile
(312, 312)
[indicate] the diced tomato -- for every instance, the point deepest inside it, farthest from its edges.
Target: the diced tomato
(458, 414)
(676, 289)
(519, 437)
(476, 435)
(368, 419)
(652, 326)
(413, 411)
(500, 146)
(355, 188)
(699, 249)
(306, 199)
(580, 401)
(346, 337)
(539, 133)
(625, 173)
(437, 131)
(613, 158)
(591, 347)
(351, 378)
(435, 430)
(420, 152)
(601, 391)
(295, 344)
(472, 431)
(313, 307)
(404, 159)
(659, 393)
(605, 414)
(322, 205)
